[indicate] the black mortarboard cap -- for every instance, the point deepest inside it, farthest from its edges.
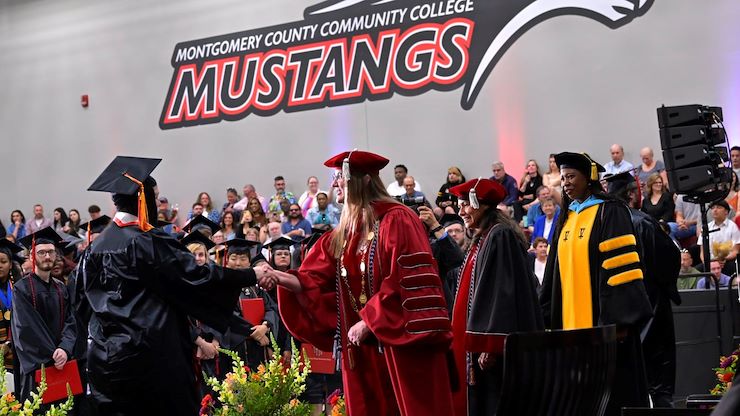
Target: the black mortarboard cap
(69, 240)
(9, 246)
(199, 222)
(240, 245)
(19, 257)
(620, 181)
(44, 236)
(281, 242)
(581, 162)
(197, 237)
(113, 181)
(97, 225)
(449, 219)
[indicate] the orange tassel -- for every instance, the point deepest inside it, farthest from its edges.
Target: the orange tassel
(143, 215)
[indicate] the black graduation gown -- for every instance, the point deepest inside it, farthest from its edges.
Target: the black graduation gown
(257, 354)
(661, 261)
(141, 287)
(626, 304)
(42, 321)
(504, 300)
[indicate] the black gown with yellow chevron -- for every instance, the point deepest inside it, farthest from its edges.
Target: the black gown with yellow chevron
(594, 279)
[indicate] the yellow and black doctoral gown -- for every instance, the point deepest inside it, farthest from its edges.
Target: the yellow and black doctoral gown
(594, 277)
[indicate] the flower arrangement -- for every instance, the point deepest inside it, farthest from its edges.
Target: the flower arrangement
(725, 373)
(10, 406)
(272, 390)
(336, 402)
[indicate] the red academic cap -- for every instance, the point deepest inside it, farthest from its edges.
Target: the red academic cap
(487, 191)
(359, 162)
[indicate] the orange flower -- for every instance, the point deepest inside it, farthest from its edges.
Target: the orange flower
(256, 377)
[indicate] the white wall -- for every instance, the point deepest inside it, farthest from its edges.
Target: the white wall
(568, 84)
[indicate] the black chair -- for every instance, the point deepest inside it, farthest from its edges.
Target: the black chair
(558, 373)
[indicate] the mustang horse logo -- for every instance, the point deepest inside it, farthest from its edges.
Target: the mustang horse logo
(349, 51)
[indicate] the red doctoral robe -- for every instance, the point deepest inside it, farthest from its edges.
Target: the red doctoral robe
(405, 313)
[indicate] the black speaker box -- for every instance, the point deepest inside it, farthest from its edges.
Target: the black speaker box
(684, 115)
(673, 137)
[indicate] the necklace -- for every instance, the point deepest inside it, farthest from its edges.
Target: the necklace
(366, 259)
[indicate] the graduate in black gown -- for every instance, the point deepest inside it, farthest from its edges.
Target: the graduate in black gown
(282, 259)
(43, 326)
(594, 275)
(495, 296)
(140, 285)
(661, 260)
(257, 343)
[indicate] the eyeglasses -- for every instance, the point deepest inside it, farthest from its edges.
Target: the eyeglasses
(337, 175)
(44, 253)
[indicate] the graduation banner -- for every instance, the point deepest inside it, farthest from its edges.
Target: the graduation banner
(349, 51)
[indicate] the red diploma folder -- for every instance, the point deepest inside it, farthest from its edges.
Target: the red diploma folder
(56, 381)
(321, 361)
(253, 310)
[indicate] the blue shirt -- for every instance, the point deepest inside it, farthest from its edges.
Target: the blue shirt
(21, 231)
(417, 194)
(330, 216)
(302, 224)
(724, 281)
(535, 212)
(539, 228)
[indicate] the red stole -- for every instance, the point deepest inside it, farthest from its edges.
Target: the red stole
(459, 325)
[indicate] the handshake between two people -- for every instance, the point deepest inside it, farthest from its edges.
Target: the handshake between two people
(268, 278)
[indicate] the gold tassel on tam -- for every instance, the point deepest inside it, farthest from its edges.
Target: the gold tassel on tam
(89, 235)
(143, 215)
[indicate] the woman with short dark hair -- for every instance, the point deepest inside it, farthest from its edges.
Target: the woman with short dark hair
(594, 276)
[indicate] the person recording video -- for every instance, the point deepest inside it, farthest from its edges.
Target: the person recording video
(412, 198)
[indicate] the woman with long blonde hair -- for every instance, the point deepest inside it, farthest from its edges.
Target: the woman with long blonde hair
(370, 285)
